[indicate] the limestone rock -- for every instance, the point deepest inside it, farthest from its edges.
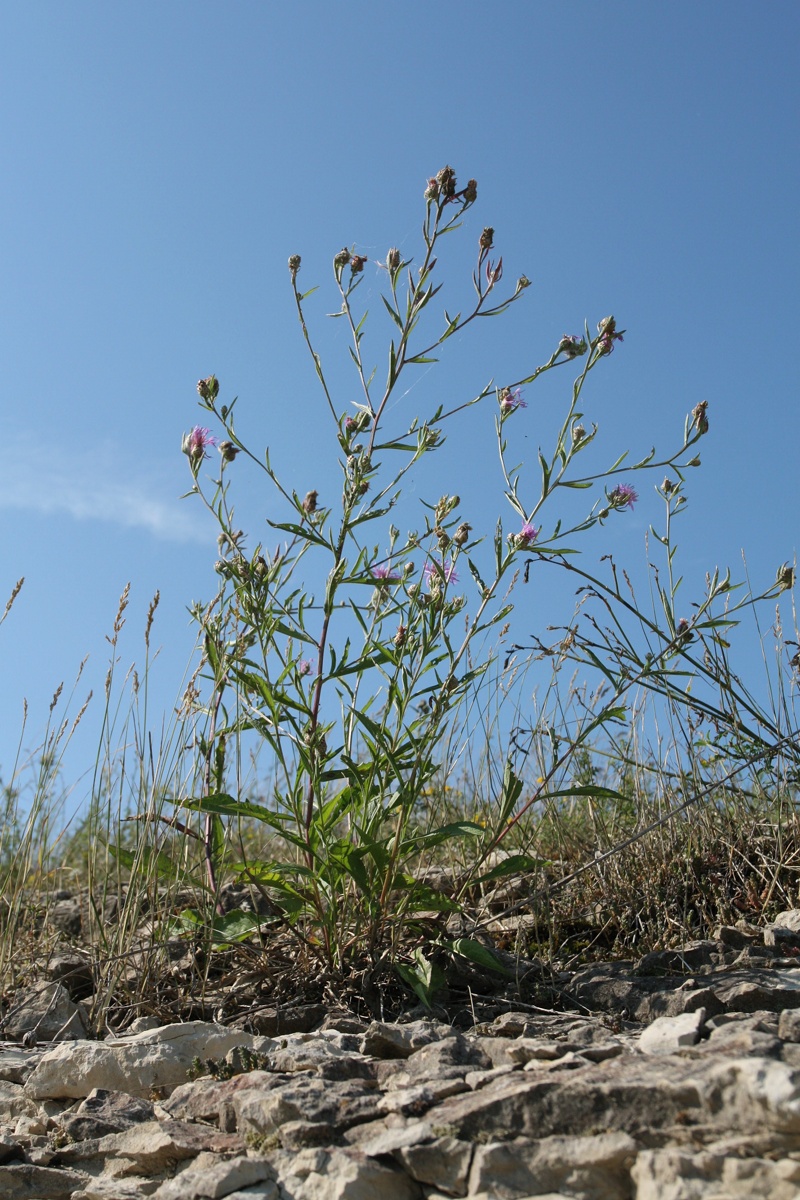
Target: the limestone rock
(208, 1182)
(47, 1012)
(27, 1182)
(104, 1112)
(593, 1168)
(666, 1035)
(157, 1058)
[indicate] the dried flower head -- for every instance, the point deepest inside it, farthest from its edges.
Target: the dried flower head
(471, 191)
(432, 189)
(393, 259)
(668, 486)
(294, 265)
(446, 178)
(785, 576)
(486, 240)
(310, 502)
(357, 263)
(228, 451)
(700, 420)
(208, 389)
(578, 433)
(683, 632)
(461, 535)
(572, 346)
(399, 638)
(342, 258)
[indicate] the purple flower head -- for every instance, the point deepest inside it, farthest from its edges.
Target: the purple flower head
(196, 442)
(623, 496)
(527, 535)
(435, 572)
(510, 401)
(384, 574)
(304, 667)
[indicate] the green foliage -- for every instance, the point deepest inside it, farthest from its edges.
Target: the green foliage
(355, 701)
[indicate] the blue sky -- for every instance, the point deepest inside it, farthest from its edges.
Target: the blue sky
(162, 160)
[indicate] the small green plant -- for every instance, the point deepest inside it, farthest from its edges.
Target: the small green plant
(356, 689)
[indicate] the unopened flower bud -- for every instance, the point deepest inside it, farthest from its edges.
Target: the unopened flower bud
(228, 451)
(668, 487)
(487, 238)
(461, 535)
(208, 389)
(294, 266)
(310, 502)
(357, 263)
(443, 537)
(399, 638)
(523, 282)
(693, 462)
(393, 259)
(342, 258)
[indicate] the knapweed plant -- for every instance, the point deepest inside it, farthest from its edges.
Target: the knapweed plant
(350, 647)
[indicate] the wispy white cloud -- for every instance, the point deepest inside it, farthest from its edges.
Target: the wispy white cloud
(95, 484)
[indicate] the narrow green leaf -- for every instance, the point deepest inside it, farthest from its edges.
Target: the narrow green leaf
(479, 954)
(515, 864)
(394, 315)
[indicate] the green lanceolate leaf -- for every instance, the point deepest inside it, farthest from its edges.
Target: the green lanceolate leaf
(424, 977)
(515, 864)
(445, 833)
(479, 954)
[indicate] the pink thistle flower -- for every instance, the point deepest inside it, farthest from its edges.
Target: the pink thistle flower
(623, 496)
(434, 573)
(304, 667)
(527, 535)
(510, 401)
(196, 442)
(384, 574)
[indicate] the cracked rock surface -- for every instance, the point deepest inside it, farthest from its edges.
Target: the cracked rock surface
(674, 1079)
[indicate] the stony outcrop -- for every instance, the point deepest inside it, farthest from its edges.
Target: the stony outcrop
(677, 1078)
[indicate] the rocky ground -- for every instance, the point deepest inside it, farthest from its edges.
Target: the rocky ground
(671, 1079)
